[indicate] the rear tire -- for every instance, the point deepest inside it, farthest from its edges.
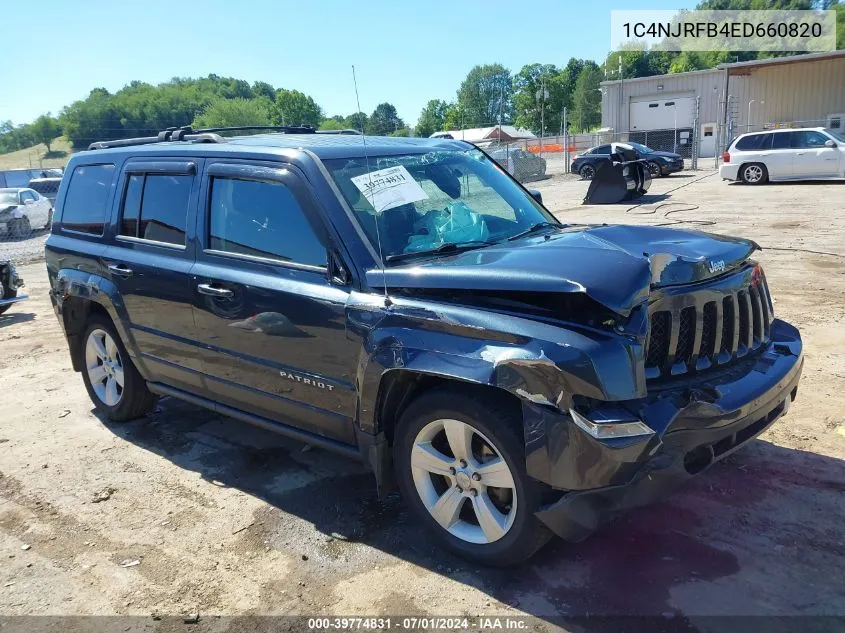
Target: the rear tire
(587, 172)
(654, 169)
(115, 387)
(754, 174)
(489, 524)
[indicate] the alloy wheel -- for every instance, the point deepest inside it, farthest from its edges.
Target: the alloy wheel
(753, 173)
(105, 367)
(463, 481)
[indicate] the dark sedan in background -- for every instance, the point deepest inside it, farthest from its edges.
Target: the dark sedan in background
(659, 163)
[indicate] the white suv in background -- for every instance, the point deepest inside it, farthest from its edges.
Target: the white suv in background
(802, 154)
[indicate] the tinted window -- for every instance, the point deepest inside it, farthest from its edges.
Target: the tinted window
(808, 139)
(164, 208)
(754, 142)
(780, 140)
(602, 149)
(87, 195)
(262, 219)
(25, 195)
(132, 205)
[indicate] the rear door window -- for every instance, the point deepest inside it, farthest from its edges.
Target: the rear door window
(155, 207)
(602, 149)
(86, 199)
(780, 140)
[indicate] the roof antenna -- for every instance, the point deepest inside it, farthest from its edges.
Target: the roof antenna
(387, 301)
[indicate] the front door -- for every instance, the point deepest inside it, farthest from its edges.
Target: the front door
(150, 259)
(813, 159)
(271, 322)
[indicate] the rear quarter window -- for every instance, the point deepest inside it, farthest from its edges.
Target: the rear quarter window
(753, 142)
(87, 196)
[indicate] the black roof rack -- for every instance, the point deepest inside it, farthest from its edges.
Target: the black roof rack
(206, 135)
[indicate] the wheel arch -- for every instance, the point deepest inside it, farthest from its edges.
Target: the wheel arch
(77, 295)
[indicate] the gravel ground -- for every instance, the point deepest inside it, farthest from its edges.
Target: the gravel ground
(225, 519)
(23, 251)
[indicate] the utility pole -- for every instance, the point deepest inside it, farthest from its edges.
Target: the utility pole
(565, 141)
(542, 95)
(621, 94)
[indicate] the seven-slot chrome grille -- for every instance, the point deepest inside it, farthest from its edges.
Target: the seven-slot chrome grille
(695, 328)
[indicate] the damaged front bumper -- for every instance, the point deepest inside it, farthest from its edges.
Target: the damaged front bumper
(696, 422)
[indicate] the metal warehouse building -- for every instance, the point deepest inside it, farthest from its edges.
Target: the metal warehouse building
(689, 111)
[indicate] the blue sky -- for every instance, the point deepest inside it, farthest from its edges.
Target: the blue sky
(404, 52)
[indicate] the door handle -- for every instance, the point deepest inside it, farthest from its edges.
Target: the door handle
(213, 291)
(121, 270)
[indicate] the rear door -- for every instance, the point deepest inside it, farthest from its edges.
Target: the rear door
(149, 260)
(813, 159)
(271, 321)
(779, 156)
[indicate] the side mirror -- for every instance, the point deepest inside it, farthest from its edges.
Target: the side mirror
(29, 201)
(830, 143)
(536, 195)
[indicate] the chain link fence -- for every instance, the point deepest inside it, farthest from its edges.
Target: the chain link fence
(27, 196)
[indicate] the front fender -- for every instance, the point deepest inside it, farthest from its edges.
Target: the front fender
(537, 362)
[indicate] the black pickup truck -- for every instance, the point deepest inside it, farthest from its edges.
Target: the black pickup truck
(407, 302)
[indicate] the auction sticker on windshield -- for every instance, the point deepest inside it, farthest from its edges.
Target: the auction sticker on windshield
(388, 188)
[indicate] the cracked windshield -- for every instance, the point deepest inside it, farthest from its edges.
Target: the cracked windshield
(416, 204)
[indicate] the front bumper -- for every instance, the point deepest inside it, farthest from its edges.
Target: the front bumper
(671, 168)
(697, 421)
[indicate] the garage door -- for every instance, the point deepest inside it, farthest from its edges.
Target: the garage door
(660, 113)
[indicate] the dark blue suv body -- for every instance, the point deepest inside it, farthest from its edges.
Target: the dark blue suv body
(407, 302)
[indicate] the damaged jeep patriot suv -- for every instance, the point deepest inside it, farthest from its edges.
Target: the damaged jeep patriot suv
(407, 302)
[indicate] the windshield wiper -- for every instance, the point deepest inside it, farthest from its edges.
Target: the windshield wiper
(449, 247)
(533, 229)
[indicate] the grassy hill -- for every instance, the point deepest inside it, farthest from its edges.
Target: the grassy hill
(35, 156)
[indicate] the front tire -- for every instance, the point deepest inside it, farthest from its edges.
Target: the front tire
(114, 385)
(8, 293)
(461, 469)
(754, 174)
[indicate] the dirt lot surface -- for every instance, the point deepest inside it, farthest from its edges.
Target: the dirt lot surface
(190, 512)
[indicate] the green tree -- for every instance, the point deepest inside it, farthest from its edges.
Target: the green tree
(356, 121)
(384, 120)
(234, 113)
(332, 124)
(586, 100)
(295, 108)
(485, 95)
(453, 118)
(432, 118)
(263, 89)
(44, 129)
(530, 111)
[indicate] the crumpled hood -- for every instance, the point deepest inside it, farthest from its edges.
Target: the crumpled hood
(615, 265)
